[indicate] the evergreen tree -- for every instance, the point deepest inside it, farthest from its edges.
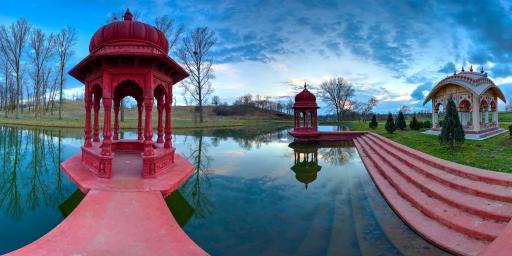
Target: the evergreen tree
(390, 124)
(414, 124)
(452, 133)
(427, 124)
(373, 124)
(400, 121)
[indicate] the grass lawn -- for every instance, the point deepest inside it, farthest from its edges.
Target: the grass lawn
(73, 116)
(132, 123)
(493, 154)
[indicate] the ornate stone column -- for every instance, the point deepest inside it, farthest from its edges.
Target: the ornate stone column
(148, 127)
(117, 104)
(316, 120)
(168, 128)
(106, 149)
(160, 128)
(139, 119)
(96, 133)
(477, 118)
(87, 129)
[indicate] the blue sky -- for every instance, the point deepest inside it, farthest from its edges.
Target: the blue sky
(393, 50)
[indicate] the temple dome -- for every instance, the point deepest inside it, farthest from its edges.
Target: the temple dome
(305, 99)
(128, 33)
(305, 96)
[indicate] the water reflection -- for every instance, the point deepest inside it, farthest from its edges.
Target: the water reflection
(242, 199)
(30, 158)
(305, 162)
(306, 167)
(197, 186)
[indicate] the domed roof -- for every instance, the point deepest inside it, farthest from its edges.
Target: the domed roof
(305, 99)
(129, 32)
(305, 96)
(476, 82)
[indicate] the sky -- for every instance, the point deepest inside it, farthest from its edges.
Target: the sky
(395, 51)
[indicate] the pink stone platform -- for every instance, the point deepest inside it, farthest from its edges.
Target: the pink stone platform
(124, 215)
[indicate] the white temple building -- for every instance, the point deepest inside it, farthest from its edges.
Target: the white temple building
(476, 97)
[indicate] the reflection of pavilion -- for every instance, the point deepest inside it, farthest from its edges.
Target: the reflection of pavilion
(306, 162)
(476, 97)
(306, 165)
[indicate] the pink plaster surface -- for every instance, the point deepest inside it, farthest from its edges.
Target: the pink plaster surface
(116, 223)
(126, 176)
(124, 215)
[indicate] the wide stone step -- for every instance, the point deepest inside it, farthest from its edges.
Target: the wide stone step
(429, 228)
(454, 168)
(483, 207)
(479, 188)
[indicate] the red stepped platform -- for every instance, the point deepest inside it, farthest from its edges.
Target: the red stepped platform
(462, 209)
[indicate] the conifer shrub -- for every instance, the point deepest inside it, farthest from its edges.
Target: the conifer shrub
(414, 124)
(400, 121)
(452, 133)
(373, 124)
(427, 124)
(390, 124)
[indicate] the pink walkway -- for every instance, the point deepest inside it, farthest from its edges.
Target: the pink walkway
(125, 215)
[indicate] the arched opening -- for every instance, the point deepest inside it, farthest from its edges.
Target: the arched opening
(161, 98)
(484, 113)
(437, 115)
(96, 96)
(494, 110)
(464, 112)
(121, 91)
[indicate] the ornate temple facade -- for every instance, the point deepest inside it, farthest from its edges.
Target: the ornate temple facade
(476, 97)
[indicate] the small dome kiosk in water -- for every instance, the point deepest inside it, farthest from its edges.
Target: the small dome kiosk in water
(476, 97)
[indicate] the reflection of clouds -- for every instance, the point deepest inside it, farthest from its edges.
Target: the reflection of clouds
(235, 153)
(337, 156)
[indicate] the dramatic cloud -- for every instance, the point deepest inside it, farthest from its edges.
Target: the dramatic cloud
(395, 50)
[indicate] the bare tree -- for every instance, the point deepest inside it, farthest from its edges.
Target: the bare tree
(168, 26)
(336, 93)
(64, 40)
(215, 100)
(194, 55)
(42, 47)
(12, 44)
(367, 107)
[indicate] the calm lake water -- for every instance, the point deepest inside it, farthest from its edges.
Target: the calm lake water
(253, 193)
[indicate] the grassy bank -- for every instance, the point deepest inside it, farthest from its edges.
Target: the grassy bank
(132, 123)
(182, 117)
(493, 154)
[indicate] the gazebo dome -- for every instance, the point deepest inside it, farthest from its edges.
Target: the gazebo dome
(305, 97)
(128, 33)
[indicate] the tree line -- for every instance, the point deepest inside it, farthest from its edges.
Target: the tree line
(33, 67)
(33, 64)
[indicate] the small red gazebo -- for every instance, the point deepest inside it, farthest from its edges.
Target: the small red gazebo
(128, 58)
(305, 112)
